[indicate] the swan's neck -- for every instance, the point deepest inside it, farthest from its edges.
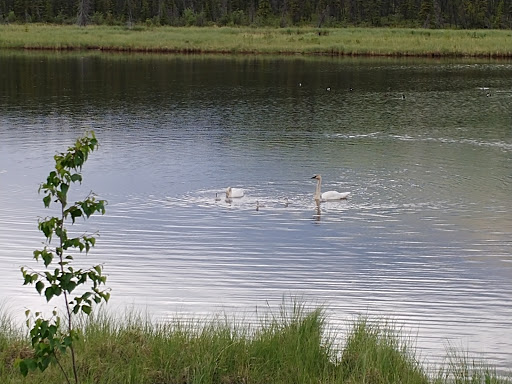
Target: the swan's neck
(318, 194)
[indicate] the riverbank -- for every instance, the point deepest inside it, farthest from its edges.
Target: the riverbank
(295, 345)
(245, 40)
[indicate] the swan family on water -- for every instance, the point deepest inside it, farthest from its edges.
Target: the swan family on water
(318, 196)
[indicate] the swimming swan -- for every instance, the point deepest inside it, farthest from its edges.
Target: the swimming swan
(234, 192)
(329, 195)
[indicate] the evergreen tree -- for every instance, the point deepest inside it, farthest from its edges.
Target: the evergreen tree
(83, 12)
(264, 10)
(20, 10)
(372, 12)
(408, 9)
(498, 18)
(144, 11)
(426, 13)
(49, 15)
(294, 10)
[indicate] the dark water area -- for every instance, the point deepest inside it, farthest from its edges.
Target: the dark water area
(424, 147)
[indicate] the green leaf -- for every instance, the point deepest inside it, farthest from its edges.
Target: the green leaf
(52, 330)
(75, 213)
(44, 328)
(68, 341)
(45, 361)
(57, 290)
(79, 158)
(47, 257)
(48, 292)
(61, 233)
(46, 200)
(49, 277)
(27, 277)
(76, 177)
(70, 286)
(39, 286)
(86, 309)
(23, 367)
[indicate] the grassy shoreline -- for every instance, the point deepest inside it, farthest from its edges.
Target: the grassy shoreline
(292, 346)
(246, 40)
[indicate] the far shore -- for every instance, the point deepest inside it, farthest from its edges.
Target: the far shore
(392, 42)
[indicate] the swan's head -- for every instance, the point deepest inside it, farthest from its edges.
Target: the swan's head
(318, 177)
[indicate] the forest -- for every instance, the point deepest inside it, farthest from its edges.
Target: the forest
(456, 14)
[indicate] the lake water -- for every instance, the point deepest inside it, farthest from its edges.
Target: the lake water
(425, 238)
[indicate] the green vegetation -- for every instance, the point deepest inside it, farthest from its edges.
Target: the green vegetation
(50, 341)
(465, 14)
(308, 41)
(293, 346)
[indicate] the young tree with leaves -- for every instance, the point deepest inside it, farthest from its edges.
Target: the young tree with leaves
(50, 338)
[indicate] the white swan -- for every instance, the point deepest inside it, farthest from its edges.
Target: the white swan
(234, 192)
(329, 195)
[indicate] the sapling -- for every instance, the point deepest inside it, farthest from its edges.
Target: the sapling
(52, 338)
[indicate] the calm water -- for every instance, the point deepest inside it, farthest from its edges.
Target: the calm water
(425, 238)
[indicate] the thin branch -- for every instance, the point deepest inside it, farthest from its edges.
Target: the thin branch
(62, 368)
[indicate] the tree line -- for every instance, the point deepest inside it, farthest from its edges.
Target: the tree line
(467, 14)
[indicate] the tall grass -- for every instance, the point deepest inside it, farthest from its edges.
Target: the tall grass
(306, 40)
(13, 344)
(376, 353)
(291, 346)
(460, 368)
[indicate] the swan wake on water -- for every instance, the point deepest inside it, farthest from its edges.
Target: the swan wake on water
(329, 195)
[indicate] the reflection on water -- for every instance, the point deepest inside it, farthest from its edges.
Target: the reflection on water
(424, 237)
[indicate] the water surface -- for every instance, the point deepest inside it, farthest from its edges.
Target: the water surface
(424, 239)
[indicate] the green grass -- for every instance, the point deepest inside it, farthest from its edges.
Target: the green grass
(306, 40)
(292, 346)
(376, 353)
